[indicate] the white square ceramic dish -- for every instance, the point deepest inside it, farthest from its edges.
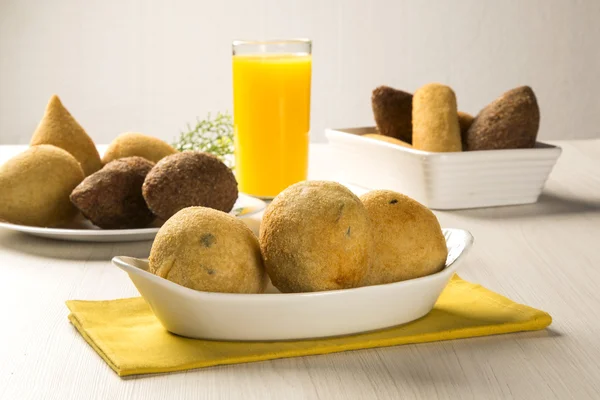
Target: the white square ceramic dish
(277, 316)
(443, 181)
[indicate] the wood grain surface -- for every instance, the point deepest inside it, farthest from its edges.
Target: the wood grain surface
(545, 255)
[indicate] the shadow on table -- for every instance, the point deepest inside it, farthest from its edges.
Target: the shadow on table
(414, 360)
(58, 249)
(548, 204)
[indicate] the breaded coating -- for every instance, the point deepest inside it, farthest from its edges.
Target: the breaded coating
(35, 187)
(435, 119)
(509, 122)
(316, 236)
(187, 179)
(464, 121)
(387, 139)
(208, 250)
(132, 144)
(408, 240)
(392, 110)
(60, 129)
(112, 197)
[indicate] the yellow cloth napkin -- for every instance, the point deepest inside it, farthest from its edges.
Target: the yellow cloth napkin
(127, 335)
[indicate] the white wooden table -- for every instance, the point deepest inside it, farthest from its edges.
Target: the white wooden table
(546, 255)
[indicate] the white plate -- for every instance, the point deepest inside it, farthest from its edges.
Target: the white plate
(442, 181)
(84, 231)
(277, 316)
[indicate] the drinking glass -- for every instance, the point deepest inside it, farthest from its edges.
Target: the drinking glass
(271, 114)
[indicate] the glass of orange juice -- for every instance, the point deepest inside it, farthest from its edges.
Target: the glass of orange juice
(271, 114)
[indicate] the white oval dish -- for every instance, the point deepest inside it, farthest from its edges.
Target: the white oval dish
(277, 316)
(84, 231)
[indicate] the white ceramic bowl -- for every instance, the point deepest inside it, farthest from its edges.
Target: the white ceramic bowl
(277, 316)
(443, 181)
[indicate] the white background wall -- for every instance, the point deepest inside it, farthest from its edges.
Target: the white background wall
(151, 66)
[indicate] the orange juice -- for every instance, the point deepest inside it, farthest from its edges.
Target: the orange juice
(271, 113)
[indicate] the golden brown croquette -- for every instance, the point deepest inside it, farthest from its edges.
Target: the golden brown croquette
(187, 179)
(408, 241)
(208, 250)
(36, 184)
(112, 197)
(132, 144)
(435, 119)
(509, 122)
(60, 129)
(392, 110)
(316, 236)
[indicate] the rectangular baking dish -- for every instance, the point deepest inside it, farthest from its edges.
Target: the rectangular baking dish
(442, 181)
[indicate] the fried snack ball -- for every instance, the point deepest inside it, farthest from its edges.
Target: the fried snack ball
(387, 139)
(464, 121)
(316, 236)
(60, 129)
(408, 240)
(187, 179)
(112, 197)
(35, 187)
(132, 144)
(392, 110)
(208, 250)
(509, 122)
(435, 119)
